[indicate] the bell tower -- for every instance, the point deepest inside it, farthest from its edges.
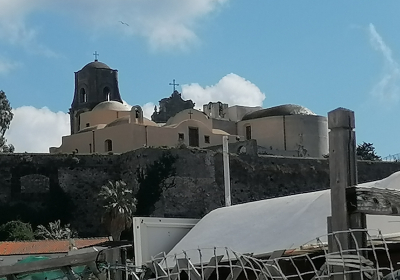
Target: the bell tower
(96, 82)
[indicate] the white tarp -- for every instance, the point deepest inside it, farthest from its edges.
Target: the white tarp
(275, 224)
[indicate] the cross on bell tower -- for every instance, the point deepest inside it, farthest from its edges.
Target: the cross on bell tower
(96, 55)
(173, 84)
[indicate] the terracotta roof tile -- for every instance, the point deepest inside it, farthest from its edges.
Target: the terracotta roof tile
(45, 246)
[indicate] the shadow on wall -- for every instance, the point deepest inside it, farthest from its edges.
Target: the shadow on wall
(38, 208)
(35, 195)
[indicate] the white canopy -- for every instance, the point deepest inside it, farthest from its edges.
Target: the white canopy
(275, 224)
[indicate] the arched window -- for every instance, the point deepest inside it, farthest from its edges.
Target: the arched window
(107, 93)
(108, 145)
(82, 95)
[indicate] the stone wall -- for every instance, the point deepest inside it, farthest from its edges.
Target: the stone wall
(41, 188)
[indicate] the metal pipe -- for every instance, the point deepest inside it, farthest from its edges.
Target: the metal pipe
(227, 176)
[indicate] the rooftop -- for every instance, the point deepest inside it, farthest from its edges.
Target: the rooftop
(96, 64)
(282, 110)
(46, 246)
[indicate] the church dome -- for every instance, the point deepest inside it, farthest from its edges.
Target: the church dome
(96, 64)
(111, 106)
(282, 110)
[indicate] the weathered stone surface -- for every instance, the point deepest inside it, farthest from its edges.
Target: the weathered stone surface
(41, 188)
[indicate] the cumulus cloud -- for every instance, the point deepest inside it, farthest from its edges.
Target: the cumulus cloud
(165, 24)
(35, 130)
(231, 89)
(388, 87)
(148, 110)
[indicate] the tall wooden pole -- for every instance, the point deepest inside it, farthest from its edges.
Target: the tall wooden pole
(343, 174)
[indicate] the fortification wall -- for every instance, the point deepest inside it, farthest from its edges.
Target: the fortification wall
(40, 187)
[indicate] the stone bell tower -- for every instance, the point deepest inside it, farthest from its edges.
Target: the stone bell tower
(96, 82)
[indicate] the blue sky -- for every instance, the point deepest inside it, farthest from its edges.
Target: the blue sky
(319, 54)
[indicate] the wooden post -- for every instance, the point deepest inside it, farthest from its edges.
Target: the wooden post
(343, 174)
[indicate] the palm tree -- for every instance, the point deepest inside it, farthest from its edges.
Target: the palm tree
(119, 205)
(55, 231)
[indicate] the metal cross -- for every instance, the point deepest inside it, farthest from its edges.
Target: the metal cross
(190, 114)
(173, 84)
(95, 55)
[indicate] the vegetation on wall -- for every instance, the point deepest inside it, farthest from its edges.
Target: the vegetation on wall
(20, 231)
(6, 117)
(55, 231)
(16, 231)
(366, 151)
(153, 181)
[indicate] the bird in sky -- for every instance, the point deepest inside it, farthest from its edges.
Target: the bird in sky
(124, 23)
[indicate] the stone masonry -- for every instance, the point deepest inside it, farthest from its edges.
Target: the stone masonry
(40, 188)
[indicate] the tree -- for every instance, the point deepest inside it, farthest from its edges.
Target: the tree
(366, 151)
(119, 206)
(54, 231)
(16, 231)
(6, 117)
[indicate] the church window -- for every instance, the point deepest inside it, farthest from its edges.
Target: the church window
(181, 136)
(248, 132)
(87, 124)
(108, 145)
(83, 95)
(90, 147)
(206, 139)
(107, 93)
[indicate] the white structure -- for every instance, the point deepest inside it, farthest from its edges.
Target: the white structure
(154, 235)
(276, 224)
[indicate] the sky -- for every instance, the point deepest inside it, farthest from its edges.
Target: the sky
(318, 54)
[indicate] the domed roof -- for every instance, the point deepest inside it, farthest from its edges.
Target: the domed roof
(282, 110)
(111, 106)
(96, 64)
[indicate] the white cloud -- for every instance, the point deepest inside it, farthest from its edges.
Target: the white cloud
(388, 87)
(35, 130)
(231, 89)
(6, 65)
(14, 28)
(165, 24)
(148, 110)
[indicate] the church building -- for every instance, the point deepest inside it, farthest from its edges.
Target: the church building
(102, 123)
